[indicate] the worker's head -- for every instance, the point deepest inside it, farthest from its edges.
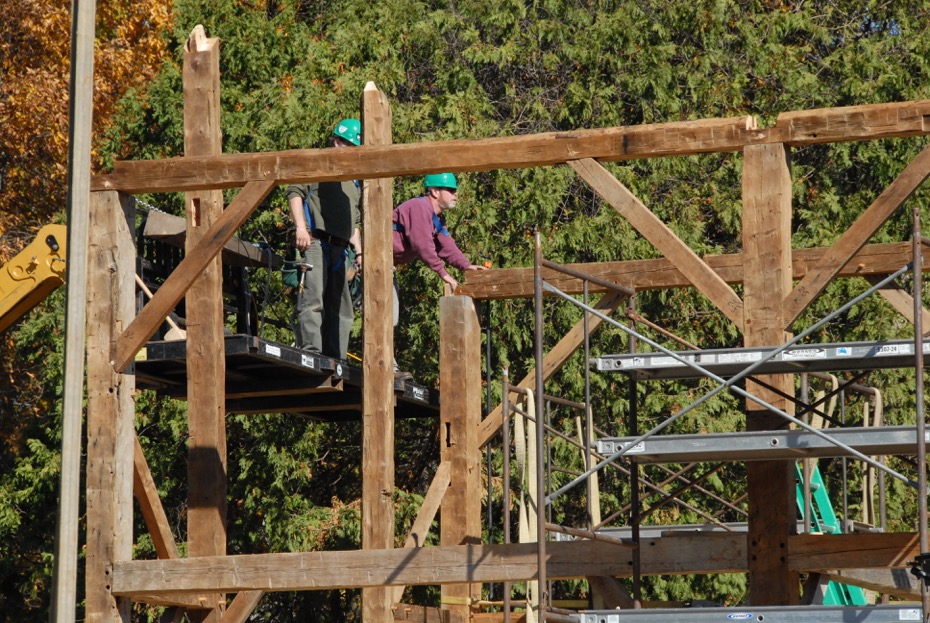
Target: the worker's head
(442, 188)
(347, 132)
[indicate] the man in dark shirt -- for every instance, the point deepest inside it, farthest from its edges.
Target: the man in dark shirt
(326, 216)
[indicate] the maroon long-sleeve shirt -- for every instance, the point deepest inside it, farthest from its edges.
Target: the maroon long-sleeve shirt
(417, 235)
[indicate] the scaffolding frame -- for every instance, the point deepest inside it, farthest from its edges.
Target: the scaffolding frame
(615, 449)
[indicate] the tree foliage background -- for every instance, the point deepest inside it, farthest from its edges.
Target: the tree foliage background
(462, 69)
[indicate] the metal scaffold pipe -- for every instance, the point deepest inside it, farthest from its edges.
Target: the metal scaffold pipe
(917, 263)
(728, 384)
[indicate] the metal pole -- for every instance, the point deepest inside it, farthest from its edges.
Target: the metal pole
(487, 407)
(635, 507)
(505, 450)
(919, 403)
(589, 415)
(730, 384)
(540, 433)
(64, 583)
(844, 464)
(806, 463)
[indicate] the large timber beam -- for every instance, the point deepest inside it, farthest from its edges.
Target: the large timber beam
(176, 285)
(459, 415)
(378, 398)
(767, 281)
(659, 274)
(899, 191)
(206, 363)
(719, 552)
(650, 227)
(110, 404)
(681, 138)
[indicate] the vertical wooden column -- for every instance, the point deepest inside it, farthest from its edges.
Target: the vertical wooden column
(206, 364)
(377, 364)
(459, 417)
(766, 282)
(110, 405)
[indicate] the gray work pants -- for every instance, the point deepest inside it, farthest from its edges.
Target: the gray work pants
(324, 312)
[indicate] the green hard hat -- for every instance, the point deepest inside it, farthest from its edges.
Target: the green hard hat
(440, 180)
(350, 130)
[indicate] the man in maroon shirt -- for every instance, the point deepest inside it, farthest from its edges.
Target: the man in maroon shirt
(420, 233)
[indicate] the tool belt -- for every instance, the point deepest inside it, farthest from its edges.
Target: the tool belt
(322, 236)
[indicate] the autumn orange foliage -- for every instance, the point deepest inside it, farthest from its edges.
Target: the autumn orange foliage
(35, 49)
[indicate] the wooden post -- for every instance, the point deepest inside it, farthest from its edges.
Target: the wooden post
(65, 578)
(459, 416)
(206, 371)
(767, 281)
(377, 364)
(110, 405)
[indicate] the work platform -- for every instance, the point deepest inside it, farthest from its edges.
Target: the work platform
(799, 358)
(268, 377)
(766, 614)
(765, 445)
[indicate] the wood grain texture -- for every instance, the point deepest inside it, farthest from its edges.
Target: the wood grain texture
(856, 123)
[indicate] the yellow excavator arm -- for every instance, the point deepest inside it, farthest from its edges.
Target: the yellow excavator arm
(32, 274)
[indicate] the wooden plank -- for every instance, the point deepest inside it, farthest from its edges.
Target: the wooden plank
(679, 138)
(899, 191)
(552, 363)
(172, 600)
(143, 486)
(239, 610)
(378, 392)
(110, 404)
(611, 592)
(660, 274)
(902, 301)
(701, 276)
(175, 286)
(721, 552)
(206, 371)
(767, 280)
(421, 525)
(63, 603)
(459, 416)
(818, 552)
(498, 617)
(408, 613)
(385, 161)
(898, 583)
(851, 123)
(701, 553)
(172, 230)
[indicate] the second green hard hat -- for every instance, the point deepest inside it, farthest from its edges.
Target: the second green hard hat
(350, 130)
(440, 180)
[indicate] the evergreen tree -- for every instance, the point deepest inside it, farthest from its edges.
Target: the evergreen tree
(482, 68)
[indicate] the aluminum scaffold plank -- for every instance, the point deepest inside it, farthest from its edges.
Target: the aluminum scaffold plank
(800, 358)
(764, 445)
(763, 614)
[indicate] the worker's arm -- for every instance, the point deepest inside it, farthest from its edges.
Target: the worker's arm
(296, 195)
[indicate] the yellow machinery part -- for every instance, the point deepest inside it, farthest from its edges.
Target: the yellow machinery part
(32, 274)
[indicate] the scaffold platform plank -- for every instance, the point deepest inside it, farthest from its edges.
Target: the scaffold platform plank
(625, 533)
(766, 614)
(799, 358)
(268, 377)
(764, 445)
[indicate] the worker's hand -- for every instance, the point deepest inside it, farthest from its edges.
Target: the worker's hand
(303, 239)
(451, 281)
(476, 267)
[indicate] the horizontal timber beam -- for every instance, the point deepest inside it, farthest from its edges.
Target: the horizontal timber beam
(659, 274)
(680, 138)
(720, 552)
